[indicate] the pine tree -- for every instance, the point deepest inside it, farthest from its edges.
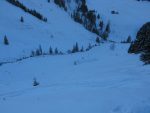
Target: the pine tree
(40, 50)
(56, 51)
(97, 40)
(105, 35)
(76, 48)
(50, 50)
(98, 16)
(101, 24)
(82, 49)
(108, 28)
(73, 49)
(32, 53)
(129, 40)
(84, 7)
(21, 19)
(6, 42)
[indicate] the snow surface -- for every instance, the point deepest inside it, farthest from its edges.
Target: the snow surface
(107, 82)
(60, 31)
(105, 79)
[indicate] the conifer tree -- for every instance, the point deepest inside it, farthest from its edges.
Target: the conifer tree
(21, 19)
(129, 40)
(82, 49)
(50, 50)
(40, 50)
(101, 24)
(56, 51)
(6, 42)
(108, 28)
(76, 47)
(97, 40)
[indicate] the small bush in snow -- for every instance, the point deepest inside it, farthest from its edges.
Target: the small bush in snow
(75, 63)
(112, 46)
(35, 83)
(114, 12)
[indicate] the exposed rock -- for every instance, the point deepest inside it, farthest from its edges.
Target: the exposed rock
(142, 40)
(142, 43)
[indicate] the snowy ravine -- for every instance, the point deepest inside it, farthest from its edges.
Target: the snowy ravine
(105, 79)
(132, 15)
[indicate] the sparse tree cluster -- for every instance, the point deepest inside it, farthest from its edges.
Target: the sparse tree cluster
(39, 52)
(128, 40)
(90, 19)
(30, 11)
(61, 3)
(76, 48)
(106, 32)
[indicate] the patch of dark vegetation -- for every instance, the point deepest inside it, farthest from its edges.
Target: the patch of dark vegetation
(30, 11)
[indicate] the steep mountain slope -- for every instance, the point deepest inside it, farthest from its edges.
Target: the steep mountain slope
(132, 15)
(60, 31)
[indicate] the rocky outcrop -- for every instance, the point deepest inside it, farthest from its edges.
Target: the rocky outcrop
(142, 43)
(142, 40)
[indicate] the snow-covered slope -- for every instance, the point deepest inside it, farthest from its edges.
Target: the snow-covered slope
(60, 31)
(100, 82)
(132, 15)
